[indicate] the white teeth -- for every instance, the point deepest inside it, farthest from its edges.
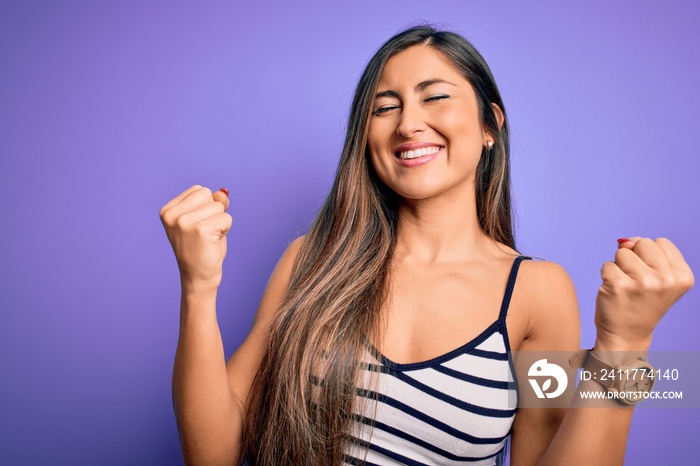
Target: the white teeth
(412, 154)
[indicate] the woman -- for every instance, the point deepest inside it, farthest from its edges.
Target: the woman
(372, 336)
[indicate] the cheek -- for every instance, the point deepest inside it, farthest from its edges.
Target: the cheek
(460, 123)
(379, 164)
(377, 135)
(377, 147)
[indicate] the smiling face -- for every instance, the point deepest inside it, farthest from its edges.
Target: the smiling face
(425, 135)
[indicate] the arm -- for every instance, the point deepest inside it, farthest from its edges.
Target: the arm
(645, 279)
(210, 395)
(206, 394)
(553, 325)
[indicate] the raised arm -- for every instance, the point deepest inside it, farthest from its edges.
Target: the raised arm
(645, 280)
(207, 396)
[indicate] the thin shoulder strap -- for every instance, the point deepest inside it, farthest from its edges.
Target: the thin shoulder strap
(510, 286)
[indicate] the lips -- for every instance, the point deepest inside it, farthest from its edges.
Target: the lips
(413, 154)
(412, 149)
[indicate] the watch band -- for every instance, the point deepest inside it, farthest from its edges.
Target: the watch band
(628, 382)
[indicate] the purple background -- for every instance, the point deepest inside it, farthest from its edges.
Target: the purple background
(109, 110)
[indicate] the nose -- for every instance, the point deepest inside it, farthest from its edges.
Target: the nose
(411, 121)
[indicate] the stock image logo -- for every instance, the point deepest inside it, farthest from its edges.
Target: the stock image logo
(544, 371)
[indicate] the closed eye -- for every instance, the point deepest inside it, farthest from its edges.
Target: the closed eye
(388, 108)
(434, 98)
(385, 109)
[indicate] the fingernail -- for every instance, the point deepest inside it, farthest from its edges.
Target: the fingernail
(225, 191)
(619, 240)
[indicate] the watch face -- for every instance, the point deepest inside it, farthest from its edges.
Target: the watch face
(641, 382)
(637, 381)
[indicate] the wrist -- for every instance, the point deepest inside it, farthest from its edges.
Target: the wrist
(197, 307)
(608, 343)
(617, 354)
(198, 287)
(196, 296)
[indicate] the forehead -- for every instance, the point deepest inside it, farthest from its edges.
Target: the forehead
(416, 64)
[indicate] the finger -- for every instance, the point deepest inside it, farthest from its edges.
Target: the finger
(651, 254)
(178, 198)
(628, 242)
(678, 263)
(222, 197)
(673, 254)
(192, 201)
(221, 222)
(630, 263)
(201, 213)
(612, 274)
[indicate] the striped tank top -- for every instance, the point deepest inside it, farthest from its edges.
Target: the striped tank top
(455, 409)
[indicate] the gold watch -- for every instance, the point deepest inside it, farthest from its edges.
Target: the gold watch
(628, 383)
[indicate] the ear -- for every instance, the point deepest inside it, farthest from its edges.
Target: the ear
(500, 118)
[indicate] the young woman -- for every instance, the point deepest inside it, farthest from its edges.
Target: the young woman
(379, 332)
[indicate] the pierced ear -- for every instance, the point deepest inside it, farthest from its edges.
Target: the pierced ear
(500, 118)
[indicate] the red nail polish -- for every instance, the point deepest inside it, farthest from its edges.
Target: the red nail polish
(621, 240)
(225, 191)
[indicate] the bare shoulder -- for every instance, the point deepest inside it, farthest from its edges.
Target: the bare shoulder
(542, 276)
(549, 297)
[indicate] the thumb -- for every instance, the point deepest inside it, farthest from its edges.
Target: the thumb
(628, 243)
(222, 196)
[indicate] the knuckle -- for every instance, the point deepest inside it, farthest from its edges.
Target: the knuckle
(620, 254)
(644, 242)
(606, 269)
(650, 283)
(687, 279)
(623, 286)
(201, 228)
(166, 217)
(181, 223)
(668, 280)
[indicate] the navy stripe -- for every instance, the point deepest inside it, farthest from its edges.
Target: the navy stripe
(431, 420)
(356, 461)
(452, 400)
(388, 453)
(416, 441)
(465, 348)
(444, 442)
(488, 354)
(509, 287)
(476, 380)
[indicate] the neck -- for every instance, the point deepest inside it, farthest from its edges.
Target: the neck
(443, 228)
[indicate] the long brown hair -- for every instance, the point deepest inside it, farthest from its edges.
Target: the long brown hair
(301, 402)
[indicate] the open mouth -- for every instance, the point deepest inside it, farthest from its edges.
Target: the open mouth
(415, 153)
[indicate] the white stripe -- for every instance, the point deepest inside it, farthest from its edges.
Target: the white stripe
(405, 448)
(476, 425)
(485, 368)
(493, 343)
(475, 394)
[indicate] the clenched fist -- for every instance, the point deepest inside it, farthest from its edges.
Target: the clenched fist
(643, 282)
(196, 223)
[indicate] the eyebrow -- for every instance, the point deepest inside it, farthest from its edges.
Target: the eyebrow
(421, 86)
